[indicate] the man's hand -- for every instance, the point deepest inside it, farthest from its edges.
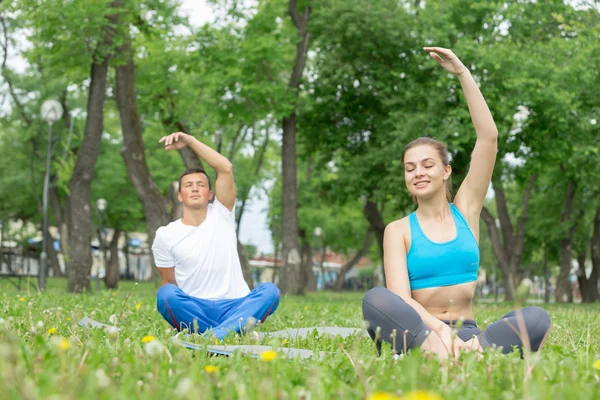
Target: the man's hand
(176, 141)
(449, 62)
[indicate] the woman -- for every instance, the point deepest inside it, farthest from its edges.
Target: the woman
(431, 257)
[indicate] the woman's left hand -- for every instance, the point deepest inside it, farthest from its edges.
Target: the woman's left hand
(447, 59)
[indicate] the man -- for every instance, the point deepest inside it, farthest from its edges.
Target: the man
(203, 286)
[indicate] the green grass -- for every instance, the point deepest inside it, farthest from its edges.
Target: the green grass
(96, 365)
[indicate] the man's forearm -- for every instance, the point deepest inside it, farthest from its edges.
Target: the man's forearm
(218, 162)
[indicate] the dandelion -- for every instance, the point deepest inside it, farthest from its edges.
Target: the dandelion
(114, 294)
(184, 387)
(422, 395)
(382, 396)
(68, 319)
(52, 331)
(64, 344)
(21, 299)
(216, 342)
(305, 308)
(284, 342)
(211, 369)
(112, 331)
(113, 319)
(148, 339)
(102, 379)
(268, 355)
(138, 306)
(154, 348)
(597, 364)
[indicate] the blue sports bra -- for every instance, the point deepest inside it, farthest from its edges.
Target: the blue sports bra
(432, 264)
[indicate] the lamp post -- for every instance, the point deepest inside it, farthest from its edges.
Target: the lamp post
(101, 205)
(51, 111)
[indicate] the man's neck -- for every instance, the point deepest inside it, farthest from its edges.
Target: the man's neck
(193, 217)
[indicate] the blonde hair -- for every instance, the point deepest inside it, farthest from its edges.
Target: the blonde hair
(443, 153)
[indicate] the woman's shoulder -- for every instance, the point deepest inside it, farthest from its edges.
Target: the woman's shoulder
(401, 225)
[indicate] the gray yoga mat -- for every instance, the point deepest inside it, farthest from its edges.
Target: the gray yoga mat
(255, 350)
(295, 333)
(251, 350)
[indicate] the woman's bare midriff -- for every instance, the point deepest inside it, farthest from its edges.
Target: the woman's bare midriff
(447, 302)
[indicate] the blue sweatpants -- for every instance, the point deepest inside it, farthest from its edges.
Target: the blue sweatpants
(185, 312)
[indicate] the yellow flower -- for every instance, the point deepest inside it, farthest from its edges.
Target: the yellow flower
(421, 395)
(597, 364)
(268, 355)
(216, 342)
(305, 308)
(114, 293)
(284, 342)
(382, 396)
(211, 369)
(148, 339)
(51, 331)
(64, 344)
(21, 299)
(138, 306)
(68, 319)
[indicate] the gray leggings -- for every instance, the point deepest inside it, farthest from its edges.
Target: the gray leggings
(387, 311)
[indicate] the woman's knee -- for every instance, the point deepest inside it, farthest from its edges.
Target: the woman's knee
(538, 323)
(376, 297)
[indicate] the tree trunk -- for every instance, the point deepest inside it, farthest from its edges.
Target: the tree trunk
(127, 261)
(309, 281)
(589, 286)
(339, 283)
(155, 206)
(112, 269)
(563, 284)
(61, 223)
(546, 276)
(378, 227)
(190, 159)
(80, 262)
(245, 263)
(509, 248)
(289, 281)
(176, 205)
(53, 256)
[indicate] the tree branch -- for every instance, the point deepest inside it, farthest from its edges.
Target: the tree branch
(503, 215)
(490, 222)
(519, 239)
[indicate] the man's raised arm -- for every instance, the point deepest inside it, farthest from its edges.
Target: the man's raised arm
(224, 186)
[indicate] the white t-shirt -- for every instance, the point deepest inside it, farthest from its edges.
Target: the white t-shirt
(205, 257)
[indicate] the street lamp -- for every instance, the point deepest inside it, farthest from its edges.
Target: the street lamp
(51, 111)
(101, 205)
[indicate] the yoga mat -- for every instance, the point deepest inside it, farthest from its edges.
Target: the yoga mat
(250, 350)
(295, 333)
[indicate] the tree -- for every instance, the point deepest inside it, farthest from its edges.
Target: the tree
(290, 268)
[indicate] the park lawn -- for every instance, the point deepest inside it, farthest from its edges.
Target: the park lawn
(45, 354)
